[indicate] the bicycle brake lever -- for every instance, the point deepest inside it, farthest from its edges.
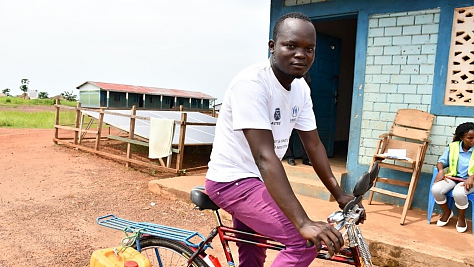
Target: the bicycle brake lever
(348, 207)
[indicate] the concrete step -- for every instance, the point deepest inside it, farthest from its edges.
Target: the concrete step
(310, 188)
(306, 182)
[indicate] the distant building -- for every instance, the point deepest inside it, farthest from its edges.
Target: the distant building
(111, 95)
(32, 94)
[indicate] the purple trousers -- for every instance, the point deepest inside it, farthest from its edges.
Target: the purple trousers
(253, 210)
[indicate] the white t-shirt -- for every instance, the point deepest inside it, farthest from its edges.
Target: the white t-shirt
(255, 99)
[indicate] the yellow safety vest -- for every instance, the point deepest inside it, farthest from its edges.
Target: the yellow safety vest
(453, 160)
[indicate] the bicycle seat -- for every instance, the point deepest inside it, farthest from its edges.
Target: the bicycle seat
(201, 199)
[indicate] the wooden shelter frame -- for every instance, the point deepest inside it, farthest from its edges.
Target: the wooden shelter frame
(80, 132)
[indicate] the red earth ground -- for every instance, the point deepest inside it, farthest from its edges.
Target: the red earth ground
(51, 196)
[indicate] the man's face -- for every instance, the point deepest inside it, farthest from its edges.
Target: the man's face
(292, 54)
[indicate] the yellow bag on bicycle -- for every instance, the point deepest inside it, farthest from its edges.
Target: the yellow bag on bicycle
(109, 258)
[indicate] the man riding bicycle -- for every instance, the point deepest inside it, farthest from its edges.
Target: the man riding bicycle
(246, 178)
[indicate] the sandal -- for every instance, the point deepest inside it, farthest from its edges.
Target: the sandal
(441, 223)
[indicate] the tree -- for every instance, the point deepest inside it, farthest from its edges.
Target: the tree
(42, 95)
(24, 85)
(6, 91)
(69, 96)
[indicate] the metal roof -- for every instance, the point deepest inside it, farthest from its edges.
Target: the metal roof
(148, 90)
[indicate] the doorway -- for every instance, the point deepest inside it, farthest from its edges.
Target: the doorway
(343, 30)
(333, 109)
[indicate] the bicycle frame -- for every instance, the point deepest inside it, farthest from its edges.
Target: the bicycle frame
(348, 255)
(228, 234)
(357, 253)
(225, 234)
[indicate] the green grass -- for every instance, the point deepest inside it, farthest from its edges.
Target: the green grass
(41, 119)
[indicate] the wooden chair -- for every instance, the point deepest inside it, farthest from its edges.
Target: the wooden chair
(410, 131)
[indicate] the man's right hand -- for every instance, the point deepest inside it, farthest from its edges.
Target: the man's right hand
(320, 231)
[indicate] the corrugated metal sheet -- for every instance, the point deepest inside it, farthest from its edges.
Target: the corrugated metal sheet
(148, 90)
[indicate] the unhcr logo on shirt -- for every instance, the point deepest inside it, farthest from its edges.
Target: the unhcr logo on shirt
(276, 116)
(294, 112)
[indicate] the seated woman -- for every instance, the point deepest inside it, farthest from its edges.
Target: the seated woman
(459, 159)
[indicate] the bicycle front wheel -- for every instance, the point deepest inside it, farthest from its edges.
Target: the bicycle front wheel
(363, 249)
(166, 253)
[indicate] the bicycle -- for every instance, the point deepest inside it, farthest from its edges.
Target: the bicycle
(169, 246)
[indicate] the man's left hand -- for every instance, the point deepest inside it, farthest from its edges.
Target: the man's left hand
(342, 201)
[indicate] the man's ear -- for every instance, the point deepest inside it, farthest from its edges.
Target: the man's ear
(271, 45)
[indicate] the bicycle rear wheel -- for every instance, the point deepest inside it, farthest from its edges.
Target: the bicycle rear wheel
(166, 253)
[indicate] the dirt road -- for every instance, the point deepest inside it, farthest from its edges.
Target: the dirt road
(51, 195)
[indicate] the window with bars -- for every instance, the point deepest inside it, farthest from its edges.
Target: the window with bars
(460, 76)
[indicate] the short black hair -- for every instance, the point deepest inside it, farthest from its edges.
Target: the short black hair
(462, 129)
(291, 15)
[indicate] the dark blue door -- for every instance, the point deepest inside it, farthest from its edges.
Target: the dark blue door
(324, 84)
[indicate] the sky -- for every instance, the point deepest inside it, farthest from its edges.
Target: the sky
(188, 44)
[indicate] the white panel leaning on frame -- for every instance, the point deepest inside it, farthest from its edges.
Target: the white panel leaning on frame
(460, 78)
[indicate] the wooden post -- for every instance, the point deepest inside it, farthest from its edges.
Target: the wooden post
(81, 135)
(76, 124)
(99, 129)
(181, 108)
(56, 122)
(182, 136)
(131, 134)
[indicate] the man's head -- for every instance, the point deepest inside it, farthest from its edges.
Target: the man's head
(292, 15)
(292, 47)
